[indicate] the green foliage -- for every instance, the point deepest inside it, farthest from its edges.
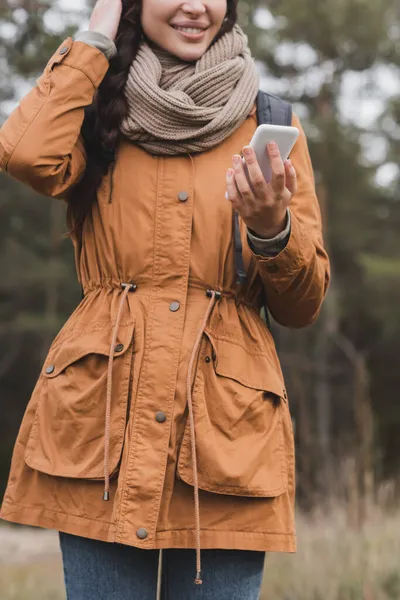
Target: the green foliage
(38, 286)
(309, 50)
(307, 53)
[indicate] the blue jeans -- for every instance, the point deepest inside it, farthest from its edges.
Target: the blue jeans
(96, 570)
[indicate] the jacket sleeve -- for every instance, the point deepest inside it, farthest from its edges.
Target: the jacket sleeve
(272, 246)
(296, 280)
(40, 143)
(99, 41)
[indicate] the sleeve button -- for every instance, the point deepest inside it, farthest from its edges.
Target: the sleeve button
(64, 50)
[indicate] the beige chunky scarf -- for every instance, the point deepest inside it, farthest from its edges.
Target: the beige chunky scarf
(180, 107)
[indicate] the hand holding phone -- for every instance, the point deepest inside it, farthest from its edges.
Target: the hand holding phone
(261, 185)
(285, 137)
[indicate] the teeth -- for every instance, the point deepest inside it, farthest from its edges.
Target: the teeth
(189, 29)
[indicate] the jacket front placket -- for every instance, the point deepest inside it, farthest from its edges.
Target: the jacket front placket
(143, 478)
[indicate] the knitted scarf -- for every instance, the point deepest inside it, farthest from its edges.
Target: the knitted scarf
(178, 107)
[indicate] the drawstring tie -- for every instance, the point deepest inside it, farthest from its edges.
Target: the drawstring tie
(128, 287)
(213, 295)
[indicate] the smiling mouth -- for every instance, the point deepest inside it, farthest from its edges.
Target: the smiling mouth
(189, 29)
(191, 32)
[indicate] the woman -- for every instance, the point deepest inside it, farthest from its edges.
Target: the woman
(160, 419)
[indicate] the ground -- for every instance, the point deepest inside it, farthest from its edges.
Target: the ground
(335, 561)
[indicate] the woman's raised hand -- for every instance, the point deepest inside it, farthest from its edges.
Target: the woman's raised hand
(105, 17)
(262, 206)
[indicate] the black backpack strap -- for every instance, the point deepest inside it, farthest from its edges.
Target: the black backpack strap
(241, 275)
(272, 110)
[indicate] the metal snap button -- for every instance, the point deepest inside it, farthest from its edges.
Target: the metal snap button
(50, 369)
(119, 348)
(64, 50)
(161, 417)
(142, 533)
(183, 196)
(174, 306)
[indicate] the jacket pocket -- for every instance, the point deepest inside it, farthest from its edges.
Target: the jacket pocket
(67, 434)
(239, 409)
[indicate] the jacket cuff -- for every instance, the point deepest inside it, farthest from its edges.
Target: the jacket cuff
(99, 41)
(280, 271)
(270, 246)
(90, 61)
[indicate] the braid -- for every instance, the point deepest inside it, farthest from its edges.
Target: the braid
(101, 125)
(100, 129)
(111, 102)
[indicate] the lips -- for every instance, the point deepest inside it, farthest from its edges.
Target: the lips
(190, 34)
(187, 25)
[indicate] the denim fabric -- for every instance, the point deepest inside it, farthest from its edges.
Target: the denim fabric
(96, 570)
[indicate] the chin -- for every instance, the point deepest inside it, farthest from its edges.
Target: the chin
(190, 54)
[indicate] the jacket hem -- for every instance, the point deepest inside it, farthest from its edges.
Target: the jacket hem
(227, 540)
(184, 538)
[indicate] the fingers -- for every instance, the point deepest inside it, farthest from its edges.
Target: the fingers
(278, 182)
(257, 181)
(246, 185)
(291, 177)
(105, 17)
(232, 192)
(241, 179)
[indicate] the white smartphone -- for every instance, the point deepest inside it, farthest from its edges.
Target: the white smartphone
(282, 135)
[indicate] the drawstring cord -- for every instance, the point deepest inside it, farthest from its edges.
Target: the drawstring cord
(128, 287)
(214, 296)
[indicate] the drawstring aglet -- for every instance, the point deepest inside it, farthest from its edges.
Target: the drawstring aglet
(106, 496)
(198, 580)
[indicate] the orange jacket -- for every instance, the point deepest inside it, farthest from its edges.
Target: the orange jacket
(115, 390)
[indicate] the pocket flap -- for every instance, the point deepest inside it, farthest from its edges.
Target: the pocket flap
(251, 369)
(240, 430)
(88, 340)
(67, 433)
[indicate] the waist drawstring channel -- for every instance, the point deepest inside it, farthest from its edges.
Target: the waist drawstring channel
(213, 295)
(127, 287)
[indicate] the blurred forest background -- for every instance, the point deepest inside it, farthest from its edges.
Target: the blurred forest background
(338, 62)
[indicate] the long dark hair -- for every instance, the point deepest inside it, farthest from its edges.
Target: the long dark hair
(103, 118)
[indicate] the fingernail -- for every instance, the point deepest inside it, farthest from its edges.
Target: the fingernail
(247, 150)
(236, 159)
(229, 173)
(272, 146)
(289, 162)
